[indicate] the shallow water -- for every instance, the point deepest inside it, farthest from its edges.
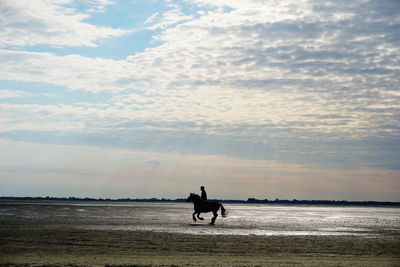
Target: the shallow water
(177, 218)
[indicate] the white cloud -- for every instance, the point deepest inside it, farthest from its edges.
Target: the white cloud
(167, 19)
(283, 63)
(26, 23)
(98, 6)
(73, 71)
(37, 117)
(4, 94)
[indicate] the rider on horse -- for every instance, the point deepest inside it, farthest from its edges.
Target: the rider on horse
(203, 193)
(202, 206)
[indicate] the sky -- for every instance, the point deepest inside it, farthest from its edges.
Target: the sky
(154, 98)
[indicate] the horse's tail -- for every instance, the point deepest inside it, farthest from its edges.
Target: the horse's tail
(224, 213)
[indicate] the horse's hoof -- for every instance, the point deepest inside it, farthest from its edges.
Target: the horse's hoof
(201, 218)
(212, 224)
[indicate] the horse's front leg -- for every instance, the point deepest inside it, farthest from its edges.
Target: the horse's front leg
(198, 216)
(194, 218)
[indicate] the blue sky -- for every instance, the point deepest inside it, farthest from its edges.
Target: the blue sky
(268, 99)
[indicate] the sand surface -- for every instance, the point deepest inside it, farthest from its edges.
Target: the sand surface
(36, 235)
(130, 248)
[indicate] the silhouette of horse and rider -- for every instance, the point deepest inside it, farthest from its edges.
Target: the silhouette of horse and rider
(201, 205)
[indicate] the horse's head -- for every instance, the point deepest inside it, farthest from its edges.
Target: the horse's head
(191, 197)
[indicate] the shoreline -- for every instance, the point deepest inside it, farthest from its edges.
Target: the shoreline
(250, 201)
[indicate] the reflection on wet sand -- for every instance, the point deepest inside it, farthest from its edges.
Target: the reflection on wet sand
(242, 219)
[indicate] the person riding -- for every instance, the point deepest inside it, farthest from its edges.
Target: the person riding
(203, 193)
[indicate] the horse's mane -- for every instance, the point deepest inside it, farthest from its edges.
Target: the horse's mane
(195, 195)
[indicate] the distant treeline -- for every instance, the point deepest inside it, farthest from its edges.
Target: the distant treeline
(248, 201)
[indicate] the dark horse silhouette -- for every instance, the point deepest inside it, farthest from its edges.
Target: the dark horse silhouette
(205, 206)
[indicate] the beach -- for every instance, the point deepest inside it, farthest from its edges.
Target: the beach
(55, 241)
(119, 248)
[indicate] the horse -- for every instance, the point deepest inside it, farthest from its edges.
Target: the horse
(201, 205)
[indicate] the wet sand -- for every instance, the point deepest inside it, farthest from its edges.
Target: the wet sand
(36, 235)
(68, 246)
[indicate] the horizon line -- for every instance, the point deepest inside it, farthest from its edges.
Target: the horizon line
(249, 200)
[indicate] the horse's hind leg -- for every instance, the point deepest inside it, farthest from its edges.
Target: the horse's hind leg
(194, 218)
(198, 216)
(214, 218)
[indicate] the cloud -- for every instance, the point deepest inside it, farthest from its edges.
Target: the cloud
(244, 143)
(51, 23)
(268, 71)
(72, 71)
(169, 18)
(4, 94)
(98, 6)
